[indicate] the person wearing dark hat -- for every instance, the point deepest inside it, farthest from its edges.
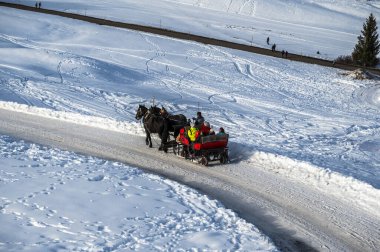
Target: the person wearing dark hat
(221, 131)
(199, 120)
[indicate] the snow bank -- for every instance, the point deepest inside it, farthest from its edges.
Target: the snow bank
(93, 121)
(347, 188)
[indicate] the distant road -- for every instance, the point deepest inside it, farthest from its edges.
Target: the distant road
(186, 36)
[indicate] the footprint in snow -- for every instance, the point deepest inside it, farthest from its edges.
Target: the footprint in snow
(96, 178)
(104, 229)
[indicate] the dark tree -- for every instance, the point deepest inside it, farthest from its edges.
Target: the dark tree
(368, 46)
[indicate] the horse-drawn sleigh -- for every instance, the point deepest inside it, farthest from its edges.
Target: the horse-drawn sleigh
(206, 149)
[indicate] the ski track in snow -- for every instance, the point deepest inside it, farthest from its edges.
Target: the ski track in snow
(67, 103)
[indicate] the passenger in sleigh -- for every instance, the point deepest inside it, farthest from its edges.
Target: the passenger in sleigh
(193, 132)
(182, 137)
(188, 134)
(221, 132)
(206, 129)
(196, 133)
(199, 120)
(187, 137)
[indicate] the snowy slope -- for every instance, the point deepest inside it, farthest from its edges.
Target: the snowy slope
(309, 124)
(306, 27)
(307, 113)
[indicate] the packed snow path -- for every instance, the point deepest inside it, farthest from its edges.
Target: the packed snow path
(296, 216)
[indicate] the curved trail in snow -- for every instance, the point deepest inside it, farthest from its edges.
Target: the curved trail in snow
(297, 217)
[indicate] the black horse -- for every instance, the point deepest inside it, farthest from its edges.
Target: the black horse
(176, 122)
(153, 124)
(155, 110)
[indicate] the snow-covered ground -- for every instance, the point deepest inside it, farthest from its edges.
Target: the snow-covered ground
(60, 201)
(305, 27)
(307, 123)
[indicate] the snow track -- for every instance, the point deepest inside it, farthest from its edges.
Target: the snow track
(296, 216)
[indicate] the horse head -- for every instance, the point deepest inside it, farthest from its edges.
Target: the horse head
(163, 111)
(141, 111)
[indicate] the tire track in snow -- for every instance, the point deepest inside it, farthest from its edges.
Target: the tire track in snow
(11, 86)
(156, 48)
(369, 94)
(229, 6)
(253, 9)
(59, 71)
(242, 6)
(276, 127)
(257, 79)
(181, 78)
(211, 97)
(373, 5)
(47, 97)
(226, 112)
(269, 126)
(189, 73)
(221, 109)
(159, 53)
(249, 73)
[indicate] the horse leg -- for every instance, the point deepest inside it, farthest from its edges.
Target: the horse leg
(162, 143)
(164, 135)
(176, 131)
(147, 137)
(148, 140)
(162, 147)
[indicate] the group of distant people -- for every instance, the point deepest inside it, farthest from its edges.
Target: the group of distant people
(38, 5)
(283, 52)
